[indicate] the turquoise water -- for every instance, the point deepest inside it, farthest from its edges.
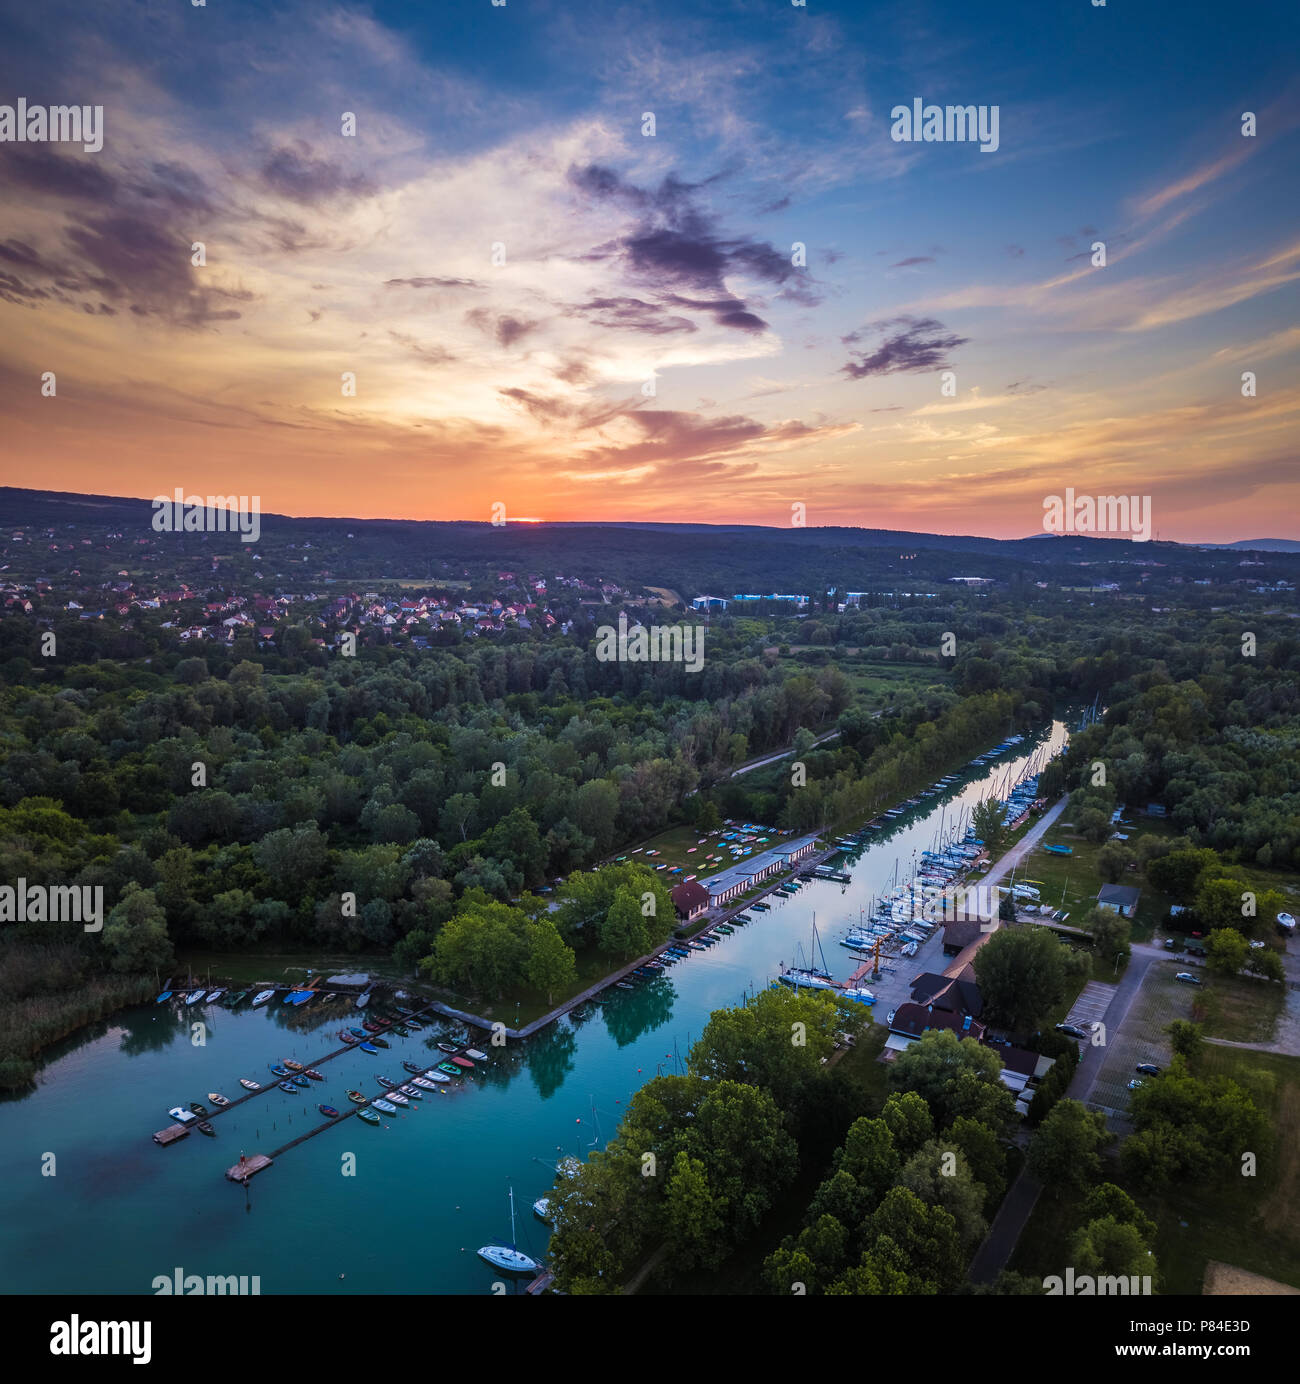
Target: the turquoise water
(430, 1184)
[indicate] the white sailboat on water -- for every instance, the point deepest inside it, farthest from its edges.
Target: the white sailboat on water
(507, 1257)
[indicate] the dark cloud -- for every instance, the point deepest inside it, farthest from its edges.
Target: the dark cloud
(295, 172)
(574, 414)
(1024, 387)
(506, 329)
(780, 204)
(123, 240)
(678, 250)
(432, 281)
(913, 259)
(630, 314)
(1015, 251)
(909, 343)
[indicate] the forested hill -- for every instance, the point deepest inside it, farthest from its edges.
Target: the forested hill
(113, 532)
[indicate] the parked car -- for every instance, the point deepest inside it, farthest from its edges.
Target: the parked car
(1073, 1030)
(1188, 978)
(1195, 951)
(1170, 944)
(1147, 1069)
(1135, 1083)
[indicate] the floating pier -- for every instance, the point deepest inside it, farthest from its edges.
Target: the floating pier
(170, 1134)
(246, 1167)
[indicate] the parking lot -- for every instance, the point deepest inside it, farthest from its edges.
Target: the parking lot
(1142, 1038)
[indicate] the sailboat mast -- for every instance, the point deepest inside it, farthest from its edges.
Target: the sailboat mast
(512, 1217)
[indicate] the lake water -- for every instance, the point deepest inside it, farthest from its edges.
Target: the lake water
(430, 1185)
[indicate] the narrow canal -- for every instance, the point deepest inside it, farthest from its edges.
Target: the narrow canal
(408, 1210)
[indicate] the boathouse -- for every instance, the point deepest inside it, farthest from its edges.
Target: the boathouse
(690, 899)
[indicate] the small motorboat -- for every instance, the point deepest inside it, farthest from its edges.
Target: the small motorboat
(385, 1082)
(542, 1210)
(415, 1024)
(386, 1106)
(380, 1042)
(368, 1115)
(463, 1062)
(261, 997)
(205, 1128)
(195, 996)
(411, 1093)
(622, 985)
(393, 1098)
(198, 1107)
(476, 1055)
(290, 1087)
(300, 1081)
(313, 1074)
(328, 1111)
(214, 996)
(447, 1068)
(359, 1033)
(218, 1099)
(400, 1031)
(181, 1115)
(249, 1085)
(424, 1082)
(447, 1047)
(164, 997)
(279, 1070)
(237, 998)
(367, 1047)
(292, 1066)
(433, 1074)
(413, 1067)
(363, 1000)
(372, 1026)
(405, 1013)
(347, 1035)
(356, 1097)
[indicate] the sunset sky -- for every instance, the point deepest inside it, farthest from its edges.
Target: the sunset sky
(630, 259)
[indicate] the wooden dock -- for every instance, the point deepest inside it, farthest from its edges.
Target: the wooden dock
(247, 1167)
(541, 1283)
(171, 1134)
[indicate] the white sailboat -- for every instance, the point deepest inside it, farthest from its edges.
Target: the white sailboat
(507, 1257)
(262, 997)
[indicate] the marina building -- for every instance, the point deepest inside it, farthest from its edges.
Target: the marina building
(734, 880)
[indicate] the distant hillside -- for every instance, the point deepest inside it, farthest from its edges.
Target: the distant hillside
(1261, 545)
(113, 533)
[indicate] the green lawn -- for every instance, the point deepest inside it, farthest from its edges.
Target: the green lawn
(1239, 1009)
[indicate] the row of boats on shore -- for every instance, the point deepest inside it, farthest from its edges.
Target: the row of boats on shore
(230, 999)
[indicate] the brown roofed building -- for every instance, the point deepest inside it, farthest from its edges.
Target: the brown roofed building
(690, 899)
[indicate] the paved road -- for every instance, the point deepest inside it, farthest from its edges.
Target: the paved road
(781, 754)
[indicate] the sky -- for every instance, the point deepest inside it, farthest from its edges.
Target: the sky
(660, 261)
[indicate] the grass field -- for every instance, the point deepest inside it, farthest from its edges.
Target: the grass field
(1239, 1009)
